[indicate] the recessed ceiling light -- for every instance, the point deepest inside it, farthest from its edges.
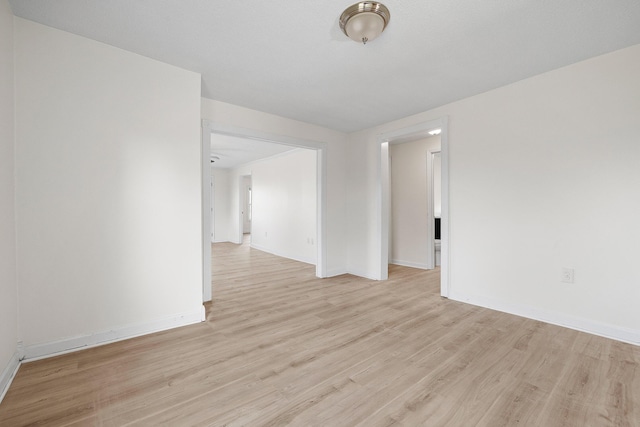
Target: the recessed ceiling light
(435, 132)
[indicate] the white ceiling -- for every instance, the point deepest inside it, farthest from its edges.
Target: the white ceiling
(233, 151)
(289, 57)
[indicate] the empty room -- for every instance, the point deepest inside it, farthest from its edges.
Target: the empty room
(412, 213)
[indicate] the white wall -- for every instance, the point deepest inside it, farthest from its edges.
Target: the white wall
(108, 191)
(543, 175)
(362, 204)
(236, 117)
(284, 204)
(221, 204)
(8, 287)
(410, 225)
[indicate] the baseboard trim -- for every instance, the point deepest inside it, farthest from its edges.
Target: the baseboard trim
(9, 373)
(362, 273)
(419, 265)
(630, 336)
(269, 251)
(68, 345)
(336, 272)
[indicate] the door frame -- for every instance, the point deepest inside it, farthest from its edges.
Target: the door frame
(212, 219)
(244, 203)
(383, 141)
(208, 127)
(431, 240)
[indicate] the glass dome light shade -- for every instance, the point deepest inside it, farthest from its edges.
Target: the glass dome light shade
(364, 27)
(364, 21)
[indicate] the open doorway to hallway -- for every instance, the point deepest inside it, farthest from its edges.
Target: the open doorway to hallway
(258, 207)
(270, 206)
(417, 220)
(245, 189)
(273, 200)
(415, 205)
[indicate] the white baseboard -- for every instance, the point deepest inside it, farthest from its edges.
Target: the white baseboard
(363, 273)
(336, 272)
(68, 345)
(269, 251)
(8, 374)
(410, 264)
(631, 336)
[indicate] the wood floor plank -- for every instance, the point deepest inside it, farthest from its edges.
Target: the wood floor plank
(282, 347)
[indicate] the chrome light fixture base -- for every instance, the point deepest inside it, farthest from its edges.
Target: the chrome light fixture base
(364, 21)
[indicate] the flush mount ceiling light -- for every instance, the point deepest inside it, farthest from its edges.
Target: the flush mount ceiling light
(364, 21)
(435, 132)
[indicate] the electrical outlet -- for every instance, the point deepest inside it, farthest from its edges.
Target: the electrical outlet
(567, 275)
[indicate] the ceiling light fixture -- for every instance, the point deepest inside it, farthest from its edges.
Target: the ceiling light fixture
(364, 21)
(435, 132)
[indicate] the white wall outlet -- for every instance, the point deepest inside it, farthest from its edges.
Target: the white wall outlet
(567, 275)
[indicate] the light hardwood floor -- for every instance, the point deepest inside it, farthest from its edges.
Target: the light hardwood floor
(281, 347)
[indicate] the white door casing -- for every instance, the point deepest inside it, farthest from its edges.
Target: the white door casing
(384, 139)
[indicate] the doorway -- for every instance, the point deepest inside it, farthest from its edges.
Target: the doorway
(212, 210)
(245, 196)
(320, 148)
(434, 164)
(413, 133)
(411, 199)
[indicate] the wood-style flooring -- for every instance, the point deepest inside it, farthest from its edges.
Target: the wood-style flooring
(281, 347)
